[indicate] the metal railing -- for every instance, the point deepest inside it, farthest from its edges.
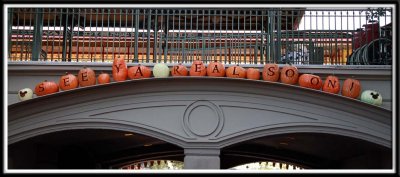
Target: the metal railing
(243, 36)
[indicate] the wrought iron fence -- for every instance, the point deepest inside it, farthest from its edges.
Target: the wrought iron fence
(245, 36)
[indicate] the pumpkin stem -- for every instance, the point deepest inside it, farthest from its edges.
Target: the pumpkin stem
(215, 60)
(66, 73)
(237, 64)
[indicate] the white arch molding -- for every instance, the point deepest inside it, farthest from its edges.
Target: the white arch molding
(171, 110)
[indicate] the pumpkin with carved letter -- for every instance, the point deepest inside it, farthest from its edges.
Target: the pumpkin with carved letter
(372, 97)
(198, 69)
(236, 72)
(216, 69)
(139, 71)
(351, 88)
(68, 81)
(331, 85)
(310, 81)
(119, 69)
(46, 87)
(86, 77)
(179, 70)
(271, 72)
(289, 74)
(25, 94)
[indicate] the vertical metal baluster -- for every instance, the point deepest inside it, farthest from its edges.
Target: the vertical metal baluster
(166, 38)
(244, 37)
(155, 39)
(203, 56)
(161, 42)
(304, 39)
(126, 51)
(114, 13)
(256, 61)
(184, 48)
(144, 27)
(78, 36)
(196, 37)
(96, 36)
(54, 32)
(251, 59)
(178, 40)
(232, 38)
(108, 34)
(130, 36)
(209, 48)
(120, 34)
(288, 48)
(262, 39)
(299, 60)
(279, 35)
(71, 35)
(48, 32)
(101, 35)
(84, 35)
(226, 35)
(136, 57)
(148, 35)
(23, 52)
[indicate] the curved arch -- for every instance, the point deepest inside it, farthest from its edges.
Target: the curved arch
(157, 107)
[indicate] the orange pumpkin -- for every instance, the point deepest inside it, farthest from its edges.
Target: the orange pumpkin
(253, 73)
(103, 78)
(216, 69)
(46, 87)
(179, 70)
(236, 72)
(140, 71)
(198, 69)
(68, 81)
(310, 81)
(331, 85)
(289, 74)
(86, 77)
(271, 72)
(351, 88)
(119, 69)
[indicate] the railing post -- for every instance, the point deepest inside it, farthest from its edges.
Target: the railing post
(10, 20)
(155, 37)
(37, 35)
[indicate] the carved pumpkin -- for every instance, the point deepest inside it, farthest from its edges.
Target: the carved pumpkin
(68, 81)
(289, 75)
(351, 88)
(198, 69)
(310, 81)
(86, 77)
(331, 85)
(271, 72)
(179, 70)
(140, 71)
(371, 97)
(46, 87)
(25, 94)
(216, 69)
(119, 69)
(160, 70)
(236, 72)
(103, 78)
(253, 73)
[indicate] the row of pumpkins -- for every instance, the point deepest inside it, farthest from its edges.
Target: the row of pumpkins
(288, 74)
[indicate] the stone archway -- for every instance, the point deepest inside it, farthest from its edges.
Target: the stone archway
(201, 115)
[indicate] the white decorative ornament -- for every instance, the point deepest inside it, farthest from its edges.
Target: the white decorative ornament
(25, 94)
(371, 97)
(160, 70)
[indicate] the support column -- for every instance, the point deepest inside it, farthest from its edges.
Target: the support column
(202, 159)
